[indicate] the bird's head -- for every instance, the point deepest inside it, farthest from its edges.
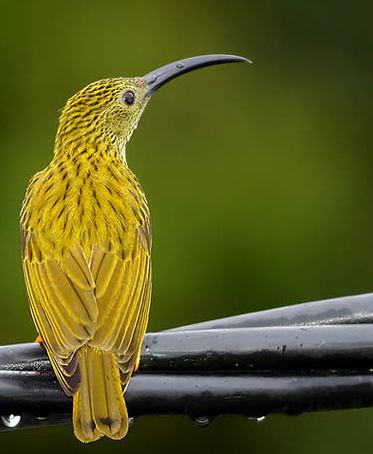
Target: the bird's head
(102, 116)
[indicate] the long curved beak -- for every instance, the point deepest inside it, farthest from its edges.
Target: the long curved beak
(160, 76)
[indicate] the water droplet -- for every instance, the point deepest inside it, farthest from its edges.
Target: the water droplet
(203, 421)
(256, 418)
(131, 421)
(147, 348)
(11, 420)
(180, 65)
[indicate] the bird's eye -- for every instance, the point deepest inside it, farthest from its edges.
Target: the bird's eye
(128, 98)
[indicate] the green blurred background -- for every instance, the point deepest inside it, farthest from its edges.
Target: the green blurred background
(258, 178)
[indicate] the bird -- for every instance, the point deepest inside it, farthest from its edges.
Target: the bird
(86, 240)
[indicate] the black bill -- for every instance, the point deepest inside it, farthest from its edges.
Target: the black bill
(160, 76)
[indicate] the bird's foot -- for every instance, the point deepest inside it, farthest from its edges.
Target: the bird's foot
(137, 363)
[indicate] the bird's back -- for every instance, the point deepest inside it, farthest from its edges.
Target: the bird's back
(86, 202)
(86, 241)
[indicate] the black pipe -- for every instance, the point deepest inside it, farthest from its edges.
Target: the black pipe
(335, 311)
(276, 364)
(37, 399)
(268, 348)
(345, 347)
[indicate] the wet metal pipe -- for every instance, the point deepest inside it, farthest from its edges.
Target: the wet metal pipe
(242, 349)
(39, 400)
(307, 357)
(334, 311)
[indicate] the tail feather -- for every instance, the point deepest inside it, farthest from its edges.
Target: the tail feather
(98, 407)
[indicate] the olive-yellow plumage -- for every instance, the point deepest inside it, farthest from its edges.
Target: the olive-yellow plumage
(86, 241)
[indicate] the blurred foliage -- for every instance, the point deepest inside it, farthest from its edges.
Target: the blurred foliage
(258, 178)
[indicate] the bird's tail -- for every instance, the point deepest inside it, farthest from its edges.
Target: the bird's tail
(98, 407)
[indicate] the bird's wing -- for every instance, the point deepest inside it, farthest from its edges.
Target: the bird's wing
(104, 303)
(63, 304)
(123, 291)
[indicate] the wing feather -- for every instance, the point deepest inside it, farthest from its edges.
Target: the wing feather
(97, 256)
(62, 303)
(123, 297)
(127, 327)
(83, 310)
(124, 358)
(79, 271)
(105, 273)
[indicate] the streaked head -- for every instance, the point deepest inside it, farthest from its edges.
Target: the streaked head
(105, 113)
